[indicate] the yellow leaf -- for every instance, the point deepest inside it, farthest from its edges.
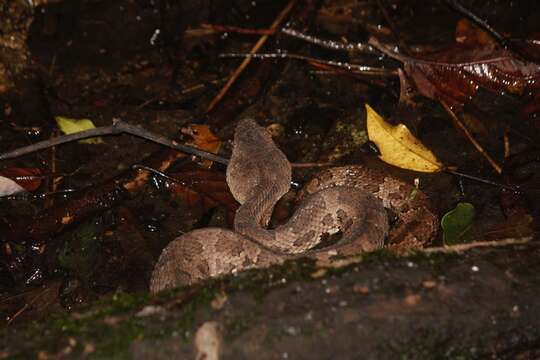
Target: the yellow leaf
(70, 126)
(398, 146)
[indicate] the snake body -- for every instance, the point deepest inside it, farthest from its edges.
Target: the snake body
(349, 199)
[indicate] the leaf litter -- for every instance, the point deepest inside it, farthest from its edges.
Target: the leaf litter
(208, 183)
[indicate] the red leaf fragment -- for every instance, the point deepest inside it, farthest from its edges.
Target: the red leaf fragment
(455, 74)
(27, 178)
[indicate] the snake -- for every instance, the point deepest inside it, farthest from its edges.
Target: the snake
(342, 211)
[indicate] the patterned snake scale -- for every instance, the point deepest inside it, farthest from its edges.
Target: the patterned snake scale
(350, 200)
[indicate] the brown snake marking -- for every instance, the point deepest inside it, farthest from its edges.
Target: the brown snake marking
(349, 199)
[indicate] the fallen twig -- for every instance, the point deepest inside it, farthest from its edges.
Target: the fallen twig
(404, 49)
(330, 44)
(477, 244)
(237, 29)
(353, 68)
(454, 4)
(253, 50)
(479, 179)
(471, 138)
(340, 263)
(505, 42)
(118, 127)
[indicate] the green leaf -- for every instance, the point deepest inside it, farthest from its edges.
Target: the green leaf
(70, 126)
(457, 224)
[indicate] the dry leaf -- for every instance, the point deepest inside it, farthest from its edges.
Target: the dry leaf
(204, 139)
(398, 146)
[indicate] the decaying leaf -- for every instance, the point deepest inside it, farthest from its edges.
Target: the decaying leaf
(455, 74)
(204, 139)
(457, 224)
(70, 126)
(398, 146)
(17, 180)
(205, 188)
(467, 33)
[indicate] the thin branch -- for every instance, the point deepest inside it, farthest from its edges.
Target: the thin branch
(454, 4)
(354, 68)
(471, 138)
(236, 29)
(121, 127)
(311, 165)
(156, 172)
(393, 28)
(485, 181)
(117, 128)
(104, 130)
(478, 244)
(253, 50)
(384, 49)
(505, 42)
(330, 44)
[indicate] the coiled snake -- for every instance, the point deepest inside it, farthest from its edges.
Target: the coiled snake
(349, 199)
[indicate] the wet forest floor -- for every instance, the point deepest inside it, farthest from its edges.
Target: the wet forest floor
(75, 266)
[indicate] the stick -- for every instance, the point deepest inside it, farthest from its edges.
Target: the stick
(402, 46)
(471, 138)
(485, 181)
(477, 244)
(354, 68)
(118, 127)
(329, 44)
(477, 20)
(247, 60)
(237, 29)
